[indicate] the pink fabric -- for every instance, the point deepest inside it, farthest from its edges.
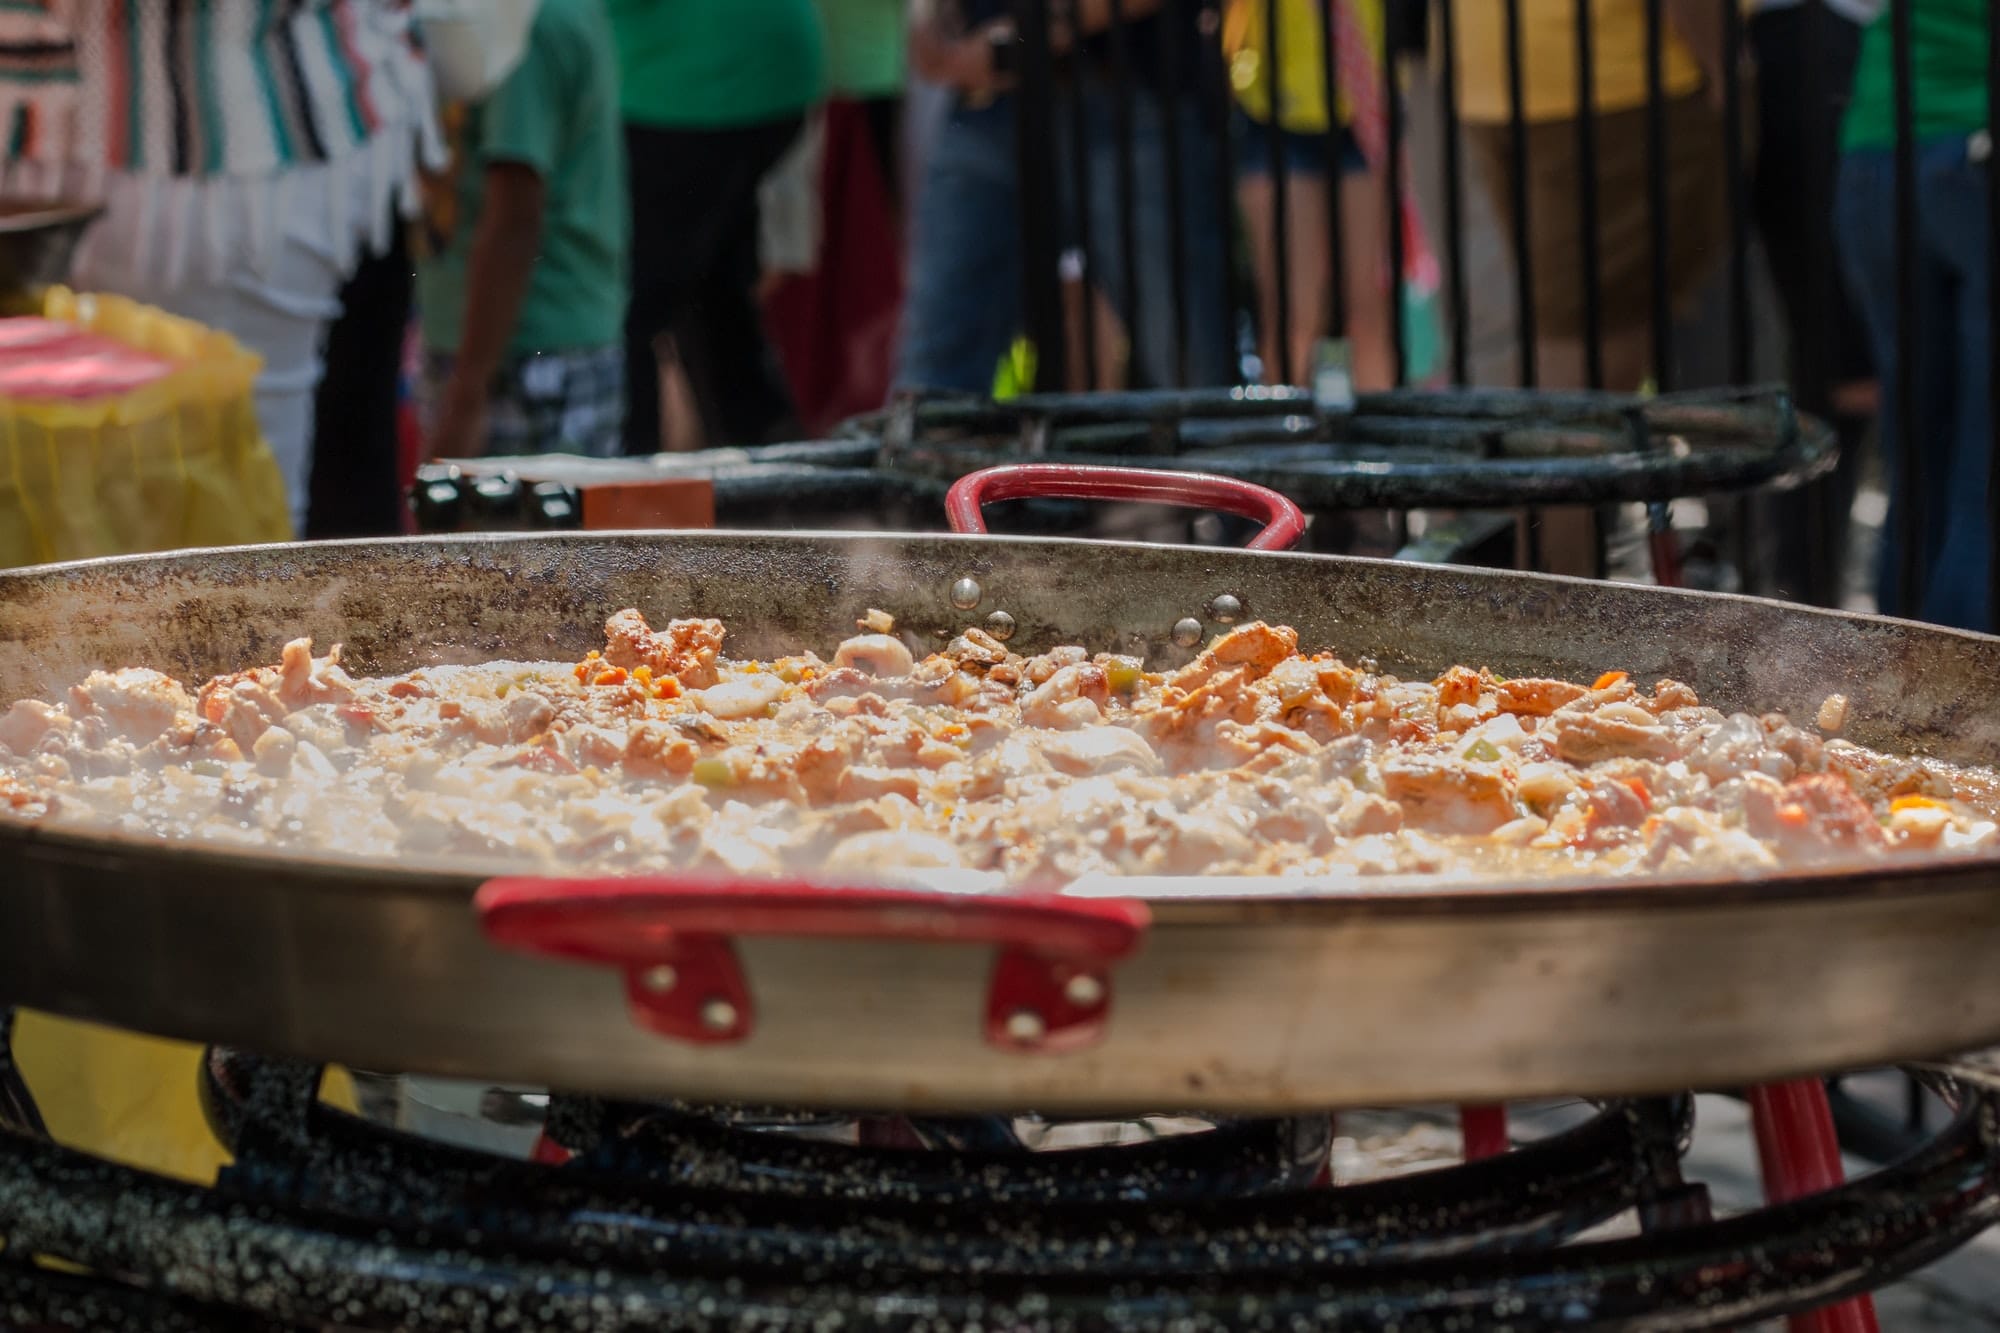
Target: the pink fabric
(835, 328)
(43, 359)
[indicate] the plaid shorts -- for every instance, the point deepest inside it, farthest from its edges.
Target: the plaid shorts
(546, 402)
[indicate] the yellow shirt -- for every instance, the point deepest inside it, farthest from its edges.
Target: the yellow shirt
(1548, 58)
(1301, 60)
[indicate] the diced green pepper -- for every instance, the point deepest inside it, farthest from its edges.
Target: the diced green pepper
(208, 768)
(1122, 674)
(1483, 751)
(711, 771)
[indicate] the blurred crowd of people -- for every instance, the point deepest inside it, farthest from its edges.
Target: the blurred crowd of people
(638, 225)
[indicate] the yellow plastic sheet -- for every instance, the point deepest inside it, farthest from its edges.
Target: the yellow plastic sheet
(127, 1098)
(1301, 59)
(177, 463)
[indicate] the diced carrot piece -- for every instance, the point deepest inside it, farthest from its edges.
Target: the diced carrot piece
(1902, 803)
(1608, 679)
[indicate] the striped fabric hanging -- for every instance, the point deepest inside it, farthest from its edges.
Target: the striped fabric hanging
(206, 87)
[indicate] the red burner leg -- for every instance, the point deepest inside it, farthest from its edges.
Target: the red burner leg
(1799, 1154)
(1665, 548)
(1484, 1129)
(1324, 1180)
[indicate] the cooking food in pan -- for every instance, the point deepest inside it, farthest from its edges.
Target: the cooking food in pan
(658, 751)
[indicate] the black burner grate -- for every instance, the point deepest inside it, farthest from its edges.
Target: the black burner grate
(676, 1218)
(1451, 449)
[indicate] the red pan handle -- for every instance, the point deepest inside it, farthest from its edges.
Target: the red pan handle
(1050, 988)
(1284, 523)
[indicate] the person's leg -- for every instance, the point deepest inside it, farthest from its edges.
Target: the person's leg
(1160, 339)
(1864, 226)
(356, 486)
(885, 136)
(1258, 202)
(662, 270)
(719, 335)
(1364, 239)
(1953, 209)
(964, 304)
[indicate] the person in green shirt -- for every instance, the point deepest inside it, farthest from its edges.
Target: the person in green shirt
(523, 286)
(714, 94)
(1953, 316)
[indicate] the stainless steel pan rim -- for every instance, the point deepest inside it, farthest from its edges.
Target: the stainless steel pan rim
(1172, 900)
(1254, 1000)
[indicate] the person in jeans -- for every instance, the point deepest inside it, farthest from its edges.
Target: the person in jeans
(1954, 319)
(523, 293)
(964, 306)
(715, 93)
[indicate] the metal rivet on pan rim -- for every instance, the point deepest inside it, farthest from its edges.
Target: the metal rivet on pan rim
(1000, 625)
(1084, 991)
(965, 594)
(718, 1015)
(1187, 632)
(1226, 609)
(1026, 1027)
(659, 978)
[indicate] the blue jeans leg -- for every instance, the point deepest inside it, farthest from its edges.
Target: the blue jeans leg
(1952, 206)
(1209, 338)
(964, 303)
(1865, 226)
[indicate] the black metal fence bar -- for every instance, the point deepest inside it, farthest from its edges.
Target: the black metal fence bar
(1740, 371)
(1335, 232)
(1517, 176)
(1212, 88)
(1657, 199)
(1172, 63)
(1586, 199)
(1738, 187)
(1079, 180)
(1909, 516)
(1279, 330)
(1993, 305)
(1392, 107)
(1128, 188)
(1041, 247)
(1454, 197)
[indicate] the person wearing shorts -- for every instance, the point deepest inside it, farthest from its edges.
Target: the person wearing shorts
(1695, 226)
(1695, 223)
(1310, 160)
(523, 287)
